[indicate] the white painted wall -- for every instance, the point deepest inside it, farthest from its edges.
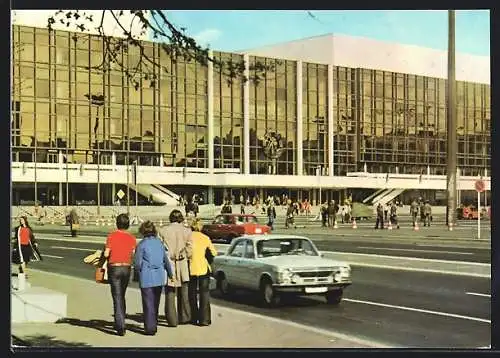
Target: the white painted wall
(39, 18)
(354, 52)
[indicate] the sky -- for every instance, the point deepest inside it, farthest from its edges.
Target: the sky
(235, 30)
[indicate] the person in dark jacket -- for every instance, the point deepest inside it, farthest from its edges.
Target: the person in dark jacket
(332, 214)
(380, 217)
(290, 215)
(74, 222)
(394, 215)
(271, 215)
(414, 211)
(150, 263)
(324, 214)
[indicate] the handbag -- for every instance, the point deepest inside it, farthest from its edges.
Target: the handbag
(101, 273)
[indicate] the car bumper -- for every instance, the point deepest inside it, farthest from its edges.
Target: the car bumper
(301, 289)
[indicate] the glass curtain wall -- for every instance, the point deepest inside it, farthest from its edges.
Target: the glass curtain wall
(273, 108)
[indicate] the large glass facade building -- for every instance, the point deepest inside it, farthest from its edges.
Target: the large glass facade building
(366, 119)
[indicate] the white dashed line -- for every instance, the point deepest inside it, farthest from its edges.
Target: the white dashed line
(419, 310)
(478, 294)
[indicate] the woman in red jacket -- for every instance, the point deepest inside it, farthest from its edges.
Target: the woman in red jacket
(26, 244)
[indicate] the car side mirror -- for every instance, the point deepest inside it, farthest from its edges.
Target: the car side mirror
(321, 254)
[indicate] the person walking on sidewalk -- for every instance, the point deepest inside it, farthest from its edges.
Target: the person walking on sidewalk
(332, 213)
(27, 247)
(177, 238)
(150, 264)
(427, 213)
(380, 217)
(120, 246)
(324, 214)
(414, 211)
(74, 222)
(271, 215)
(394, 215)
(289, 220)
(200, 272)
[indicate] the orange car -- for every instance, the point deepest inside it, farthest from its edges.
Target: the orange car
(471, 213)
(226, 227)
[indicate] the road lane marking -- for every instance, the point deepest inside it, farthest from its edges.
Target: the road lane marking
(419, 310)
(72, 248)
(416, 250)
(478, 294)
(353, 339)
(222, 248)
(53, 256)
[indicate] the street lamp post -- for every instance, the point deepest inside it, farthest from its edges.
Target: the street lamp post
(451, 173)
(98, 101)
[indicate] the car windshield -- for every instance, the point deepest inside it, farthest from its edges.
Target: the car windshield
(280, 247)
(242, 219)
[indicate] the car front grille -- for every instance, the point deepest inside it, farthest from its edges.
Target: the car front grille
(315, 273)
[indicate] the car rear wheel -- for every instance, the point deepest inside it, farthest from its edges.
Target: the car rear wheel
(222, 285)
(334, 297)
(269, 297)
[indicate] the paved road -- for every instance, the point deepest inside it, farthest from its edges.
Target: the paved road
(393, 243)
(407, 309)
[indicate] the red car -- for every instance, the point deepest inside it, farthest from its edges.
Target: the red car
(226, 227)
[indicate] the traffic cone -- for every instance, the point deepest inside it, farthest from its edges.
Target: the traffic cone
(450, 227)
(415, 228)
(52, 221)
(389, 227)
(354, 226)
(335, 226)
(161, 222)
(97, 222)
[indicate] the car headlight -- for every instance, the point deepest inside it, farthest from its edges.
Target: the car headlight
(295, 278)
(284, 276)
(345, 271)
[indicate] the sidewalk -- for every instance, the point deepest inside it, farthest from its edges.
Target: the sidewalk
(89, 324)
(432, 234)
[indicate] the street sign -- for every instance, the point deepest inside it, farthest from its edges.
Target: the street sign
(479, 185)
(120, 194)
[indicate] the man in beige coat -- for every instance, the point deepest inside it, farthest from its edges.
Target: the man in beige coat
(177, 238)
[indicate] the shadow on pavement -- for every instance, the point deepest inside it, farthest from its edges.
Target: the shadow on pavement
(243, 298)
(42, 340)
(139, 317)
(100, 325)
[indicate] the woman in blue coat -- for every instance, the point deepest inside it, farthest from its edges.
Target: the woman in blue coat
(151, 263)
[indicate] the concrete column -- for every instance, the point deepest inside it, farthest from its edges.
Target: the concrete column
(113, 193)
(210, 118)
(161, 160)
(61, 159)
(113, 159)
(300, 163)
(330, 121)
(246, 117)
(60, 196)
(211, 195)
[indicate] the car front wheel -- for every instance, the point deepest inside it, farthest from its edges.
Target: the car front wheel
(334, 297)
(269, 297)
